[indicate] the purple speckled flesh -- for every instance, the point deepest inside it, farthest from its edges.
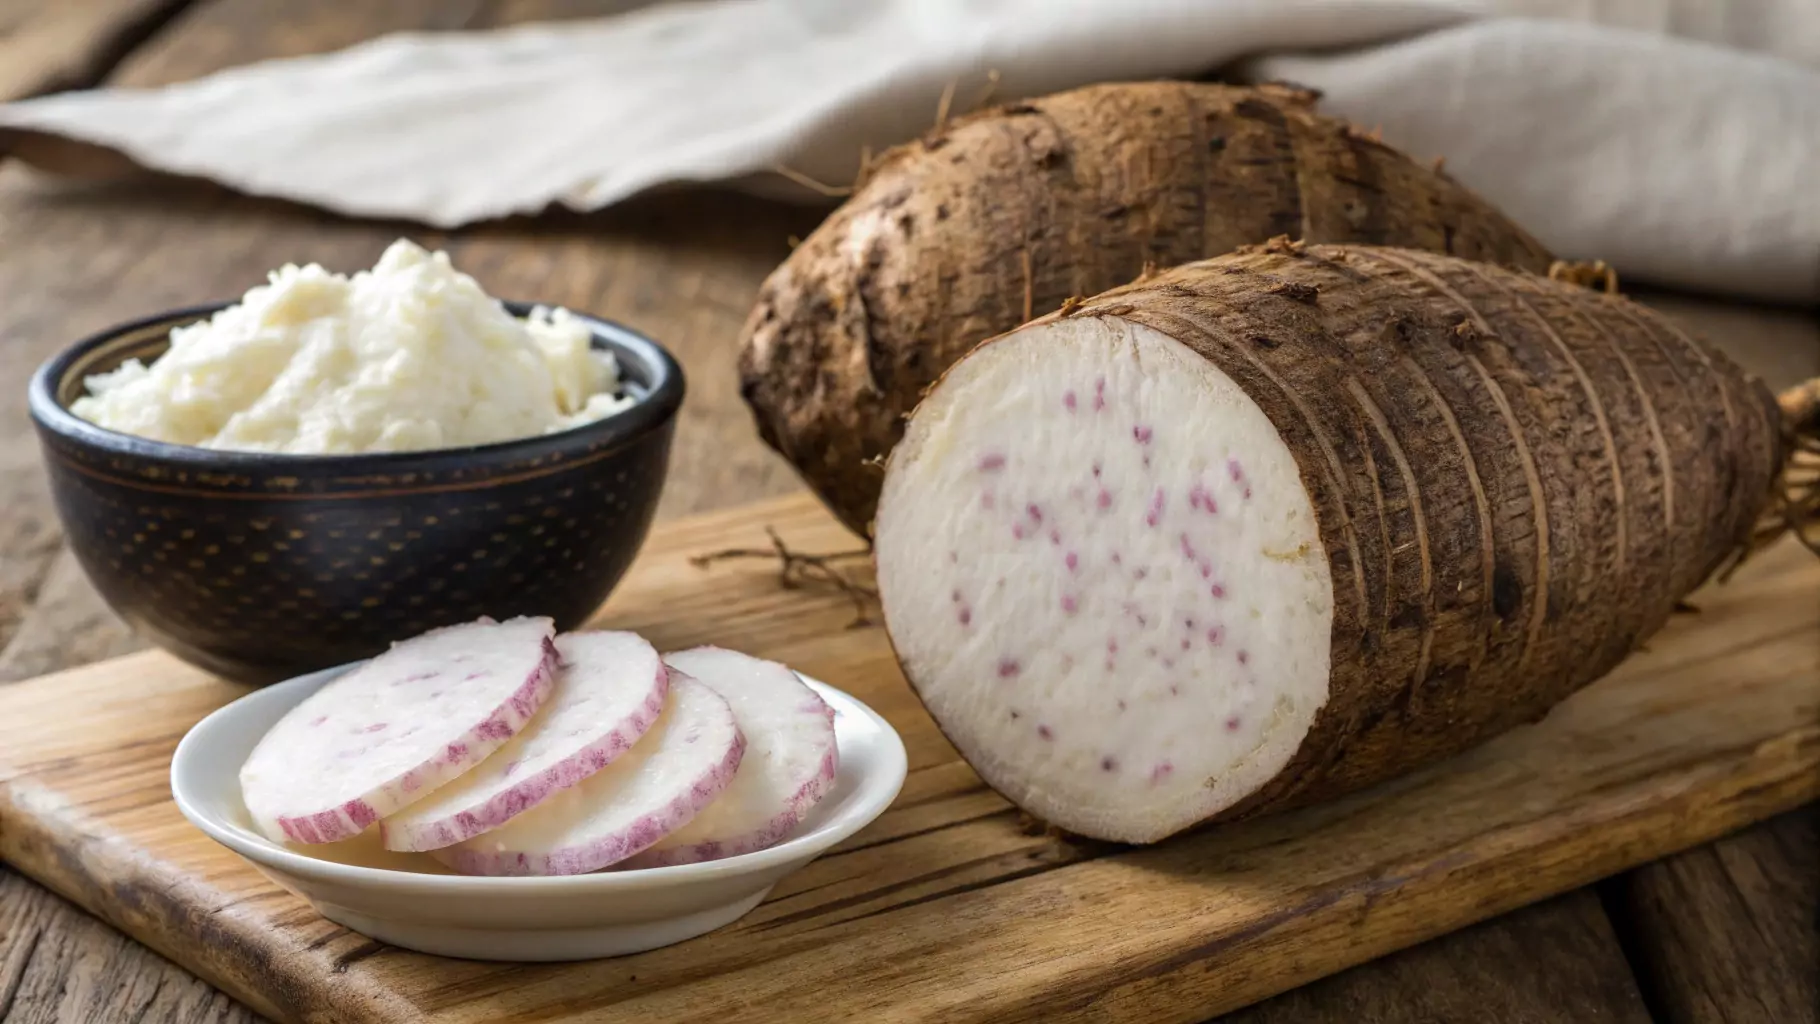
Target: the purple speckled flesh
(610, 689)
(1131, 628)
(680, 766)
(790, 764)
(390, 732)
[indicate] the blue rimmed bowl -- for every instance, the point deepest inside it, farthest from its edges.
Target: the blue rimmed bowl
(261, 567)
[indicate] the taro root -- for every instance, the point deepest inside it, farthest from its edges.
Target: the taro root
(1004, 215)
(1265, 529)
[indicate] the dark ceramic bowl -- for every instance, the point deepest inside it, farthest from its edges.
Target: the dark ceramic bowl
(261, 567)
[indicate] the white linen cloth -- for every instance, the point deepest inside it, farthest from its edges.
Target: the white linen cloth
(1678, 140)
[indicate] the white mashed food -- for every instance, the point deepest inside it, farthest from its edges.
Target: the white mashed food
(407, 356)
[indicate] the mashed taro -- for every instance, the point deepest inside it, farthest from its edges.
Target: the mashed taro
(409, 355)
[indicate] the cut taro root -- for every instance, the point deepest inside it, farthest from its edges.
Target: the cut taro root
(1258, 531)
(1132, 630)
(790, 761)
(683, 762)
(610, 688)
(391, 731)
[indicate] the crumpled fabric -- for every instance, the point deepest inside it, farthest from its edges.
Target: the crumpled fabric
(1675, 139)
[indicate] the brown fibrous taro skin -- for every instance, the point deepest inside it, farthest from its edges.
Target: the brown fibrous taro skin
(1269, 528)
(1001, 216)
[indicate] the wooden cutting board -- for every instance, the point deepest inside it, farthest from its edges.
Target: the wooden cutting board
(945, 909)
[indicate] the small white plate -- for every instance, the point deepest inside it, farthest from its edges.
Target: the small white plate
(410, 900)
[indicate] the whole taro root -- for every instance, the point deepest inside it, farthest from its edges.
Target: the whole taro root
(1002, 216)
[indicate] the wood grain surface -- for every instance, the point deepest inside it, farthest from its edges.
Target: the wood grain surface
(946, 909)
(1713, 927)
(69, 44)
(1583, 977)
(75, 258)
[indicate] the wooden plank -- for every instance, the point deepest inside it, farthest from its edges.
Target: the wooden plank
(67, 624)
(58, 964)
(1731, 931)
(69, 44)
(944, 909)
(1553, 963)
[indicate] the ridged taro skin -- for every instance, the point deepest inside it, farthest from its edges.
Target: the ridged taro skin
(1516, 480)
(1004, 215)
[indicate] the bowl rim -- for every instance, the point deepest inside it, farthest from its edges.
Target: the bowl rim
(657, 405)
(871, 799)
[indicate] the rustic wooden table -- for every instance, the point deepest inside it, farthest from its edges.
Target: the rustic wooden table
(1725, 932)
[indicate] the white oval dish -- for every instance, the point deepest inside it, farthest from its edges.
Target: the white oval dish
(409, 900)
